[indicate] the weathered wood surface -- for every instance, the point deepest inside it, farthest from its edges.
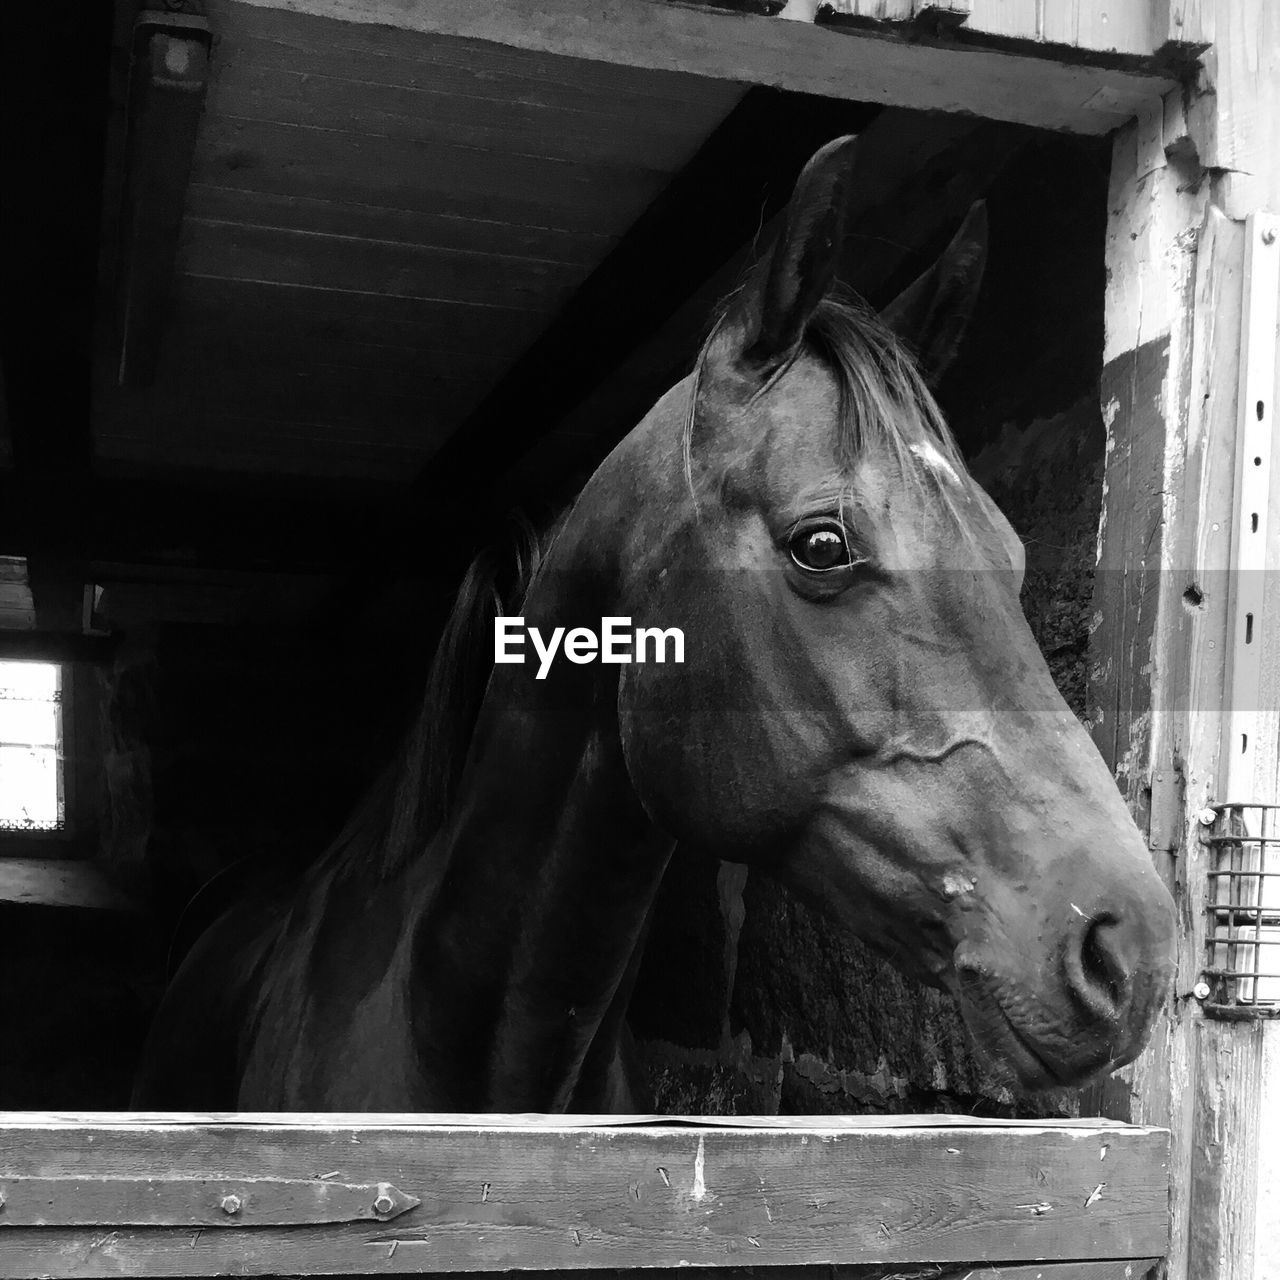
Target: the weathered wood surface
(1152, 600)
(1133, 27)
(59, 882)
(74, 1201)
(791, 52)
(358, 200)
(1208, 1082)
(529, 1195)
(1232, 120)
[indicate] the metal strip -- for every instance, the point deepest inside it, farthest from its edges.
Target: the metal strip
(1255, 419)
(214, 1201)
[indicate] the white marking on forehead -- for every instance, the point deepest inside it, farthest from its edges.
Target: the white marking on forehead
(935, 461)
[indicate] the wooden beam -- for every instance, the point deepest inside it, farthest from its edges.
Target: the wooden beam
(1176, 303)
(170, 55)
(54, 882)
(1233, 111)
(1081, 25)
(497, 1194)
(1137, 707)
(56, 646)
(1027, 82)
(182, 521)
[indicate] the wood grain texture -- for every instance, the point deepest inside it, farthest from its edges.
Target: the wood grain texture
(722, 45)
(1196, 666)
(1148, 553)
(433, 177)
(464, 91)
(51, 882)
(284, 36)
(354, 315)
(1207, 1081)
(544, 1196)
(1093, 25)
(1224, 1151)
(400, 226)
(315, 260)
(1233, 115)
(378, 227)
(1099, 26)
(1127, 581)
(1117, 1269)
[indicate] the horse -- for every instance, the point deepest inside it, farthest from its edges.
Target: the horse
(861, 712)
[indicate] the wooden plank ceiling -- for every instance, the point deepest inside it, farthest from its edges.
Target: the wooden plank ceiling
(378, 225)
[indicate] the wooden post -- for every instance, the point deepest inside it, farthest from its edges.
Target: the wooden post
(1170, 645)
(1140, 615)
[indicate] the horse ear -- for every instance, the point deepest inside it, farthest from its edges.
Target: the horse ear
(783, 294)
(932, 314)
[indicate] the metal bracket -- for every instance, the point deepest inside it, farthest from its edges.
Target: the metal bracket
(213, 1201)
(1240, 979)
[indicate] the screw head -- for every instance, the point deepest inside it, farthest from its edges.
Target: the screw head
(384, 1203)
(1268, 236)
(231, 1204)
(1207, 817)
(1202, 990)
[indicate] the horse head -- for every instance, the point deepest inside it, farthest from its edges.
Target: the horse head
(862, 710)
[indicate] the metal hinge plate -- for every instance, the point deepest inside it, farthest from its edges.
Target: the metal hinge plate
(212, 1201)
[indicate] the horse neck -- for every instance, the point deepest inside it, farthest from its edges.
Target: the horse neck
(527, 950)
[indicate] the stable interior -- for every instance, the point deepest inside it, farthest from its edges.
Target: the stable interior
(414, 290)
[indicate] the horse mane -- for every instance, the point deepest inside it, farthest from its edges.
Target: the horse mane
(413, 796)
(885, 404)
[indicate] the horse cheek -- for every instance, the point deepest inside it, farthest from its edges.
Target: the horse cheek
(665, 745)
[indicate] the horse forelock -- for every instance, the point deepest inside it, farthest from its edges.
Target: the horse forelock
(886, 410)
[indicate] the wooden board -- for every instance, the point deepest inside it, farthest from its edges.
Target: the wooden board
(376, 230)
(1012, 84)
(1074, 24)
(1210, 1082)
(491, 234)
(1138, 692)
(271, 66)
(283, 255)
(264, 156)
(525, 1195)
(1233, 120)
(57, 882)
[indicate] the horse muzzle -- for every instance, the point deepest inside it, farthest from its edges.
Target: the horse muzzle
(1076, 1000)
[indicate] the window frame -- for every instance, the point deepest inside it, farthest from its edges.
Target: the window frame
(71, 839)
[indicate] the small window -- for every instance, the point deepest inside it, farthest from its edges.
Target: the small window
(31, 747)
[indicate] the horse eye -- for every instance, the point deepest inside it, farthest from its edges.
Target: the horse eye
(820, 550)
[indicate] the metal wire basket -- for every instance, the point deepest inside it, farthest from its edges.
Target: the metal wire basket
(1242, 937)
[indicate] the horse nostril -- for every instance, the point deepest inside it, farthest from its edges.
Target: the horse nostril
(1102, 977)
